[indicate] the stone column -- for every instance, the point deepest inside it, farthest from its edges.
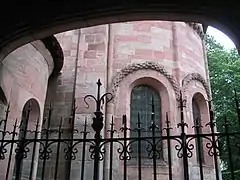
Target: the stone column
(206, 64)
(175, 166)
(109, 112)
(175, 52)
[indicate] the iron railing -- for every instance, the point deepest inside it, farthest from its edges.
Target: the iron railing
(172, 148)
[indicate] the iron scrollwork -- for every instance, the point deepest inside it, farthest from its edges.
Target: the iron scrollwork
(182, 142)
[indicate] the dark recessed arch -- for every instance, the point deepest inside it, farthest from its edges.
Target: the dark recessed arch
(55, 49)
(30, 113)
(3, 98)
(145, 101)
(200, 119)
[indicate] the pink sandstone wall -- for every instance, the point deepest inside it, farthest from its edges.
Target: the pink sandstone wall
(172, 48)
(137, 42)
(60, 88)
(107, 49)
(91, 65)
(174, 45)
(190, 50)
(24, 75)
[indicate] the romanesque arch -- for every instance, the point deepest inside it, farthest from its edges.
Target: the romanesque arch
(196, 77)
(30, 116)
(34, 112)
(130, 69)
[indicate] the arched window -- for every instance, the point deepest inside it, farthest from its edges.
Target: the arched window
(197, 121)
(30, 116)
(141, 102)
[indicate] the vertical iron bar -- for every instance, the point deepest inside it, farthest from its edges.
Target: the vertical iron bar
(237, 106)
(125, 147)
(169, 148)
(68, 172)
(5, 125)
(185, 156)
(212, 125)
(97, 126)
(182, 124)
(154, 141)
(34, 149)
(139, 148)
(198, 126)
(229, 148)
(19, 155)
(84, 147)
(111, 150)
(46, 142)
(11, 149)
(96, 156)
(58, 148)
(4, 133)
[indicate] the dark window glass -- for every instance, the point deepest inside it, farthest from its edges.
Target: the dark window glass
(197, 117)
(141, 102)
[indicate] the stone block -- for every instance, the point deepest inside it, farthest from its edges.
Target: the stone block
(100, 38)
(68, 96)
(122, 49)
(59, 97)
(144, 38)
(124, 38)
(160, 55)
(66, 53)
(142, 27)
(90, 54)
(89, 38)
(73, 52)
(123, 29)
(97, 46)
(83, 46)
(144, 53)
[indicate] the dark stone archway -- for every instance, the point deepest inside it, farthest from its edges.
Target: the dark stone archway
(25, 23)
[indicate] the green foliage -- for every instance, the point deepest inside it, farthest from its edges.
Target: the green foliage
(227, 175)
(224, 71)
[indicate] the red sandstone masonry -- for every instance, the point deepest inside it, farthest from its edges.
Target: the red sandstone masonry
(144, 53)
(159, 54)
(142, 27)
(131, 42)
(125, 38)
(144, 38)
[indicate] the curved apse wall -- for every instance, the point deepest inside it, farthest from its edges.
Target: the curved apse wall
(24, 74)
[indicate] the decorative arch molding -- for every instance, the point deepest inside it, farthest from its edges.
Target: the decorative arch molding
(142, 66)
(195, 77)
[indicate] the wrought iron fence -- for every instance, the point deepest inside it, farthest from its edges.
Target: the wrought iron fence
(171, 148)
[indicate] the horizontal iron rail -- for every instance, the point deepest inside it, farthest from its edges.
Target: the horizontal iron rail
(129, 138)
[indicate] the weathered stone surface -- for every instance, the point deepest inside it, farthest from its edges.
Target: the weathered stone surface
(165, 55)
